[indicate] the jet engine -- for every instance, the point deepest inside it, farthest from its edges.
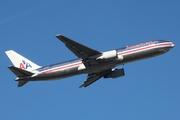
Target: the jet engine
(115, 73)
(109, 55)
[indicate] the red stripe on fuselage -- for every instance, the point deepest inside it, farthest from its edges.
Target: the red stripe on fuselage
(144, 48)
(61, 67)
(120, 53)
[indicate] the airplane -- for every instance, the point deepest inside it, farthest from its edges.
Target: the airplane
(90, 61)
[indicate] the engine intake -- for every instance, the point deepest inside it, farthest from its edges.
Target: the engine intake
(115, 73)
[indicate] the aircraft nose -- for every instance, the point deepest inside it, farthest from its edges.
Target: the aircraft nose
(172, 44)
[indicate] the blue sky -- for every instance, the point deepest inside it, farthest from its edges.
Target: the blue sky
(150, 89)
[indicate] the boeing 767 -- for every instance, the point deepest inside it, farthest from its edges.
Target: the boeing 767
(90, 61)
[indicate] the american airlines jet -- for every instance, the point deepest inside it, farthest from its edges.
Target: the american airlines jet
(92, 62)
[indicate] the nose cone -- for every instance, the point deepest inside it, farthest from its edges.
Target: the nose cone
(167, 46)
(172, 44)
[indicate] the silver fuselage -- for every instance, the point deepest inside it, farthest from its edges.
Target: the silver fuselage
(76, 66)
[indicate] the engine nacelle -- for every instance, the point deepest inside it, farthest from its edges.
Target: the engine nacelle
(109, 55)
(115, 73)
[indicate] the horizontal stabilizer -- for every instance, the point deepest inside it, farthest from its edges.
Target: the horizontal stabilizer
(19, 72)
(21, 83)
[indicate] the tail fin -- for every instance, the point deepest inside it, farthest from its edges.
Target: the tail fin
(21, 62)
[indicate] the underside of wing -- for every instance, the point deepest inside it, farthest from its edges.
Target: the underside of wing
(93, 77)
(78, 49)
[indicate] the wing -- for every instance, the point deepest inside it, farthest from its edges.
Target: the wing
(93, 77)
(86, 54)
(78, 49)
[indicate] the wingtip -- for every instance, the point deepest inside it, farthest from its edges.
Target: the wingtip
(81, 86)
(59, 35)
(7, 51)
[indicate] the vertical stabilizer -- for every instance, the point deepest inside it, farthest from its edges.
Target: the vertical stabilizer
(21, 62)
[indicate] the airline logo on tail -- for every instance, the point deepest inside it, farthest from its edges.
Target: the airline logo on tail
(24, 65)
